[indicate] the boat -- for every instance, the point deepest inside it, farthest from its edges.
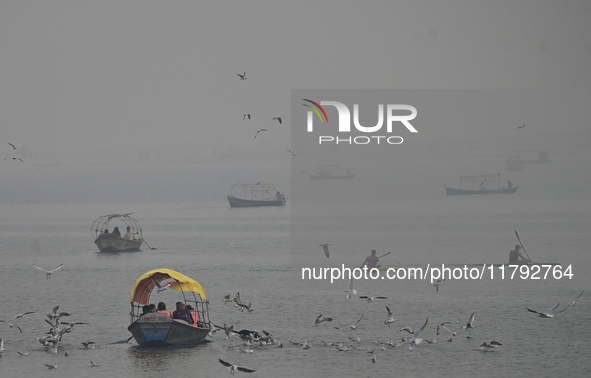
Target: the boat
(333, 171)
(159, 329)
(515, 163)
(112, 241)
(255, 195)
(534, 156)
(483, 187)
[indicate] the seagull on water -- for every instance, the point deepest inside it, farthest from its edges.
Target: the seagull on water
(547, 314)
(233, 367)
(320, 319)
(391, 318)
(94, 364)
(89, 344)
(54, 366)
(49, 272)
(278, 119)
(243, 76)
(408, 329)
(325, 248)
(415, 339)
(470, 322)
(22, 354)
(258, 131)
(371, 299)
(572, 303)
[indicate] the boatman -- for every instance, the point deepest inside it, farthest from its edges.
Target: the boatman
(372, 260)
(515, 255)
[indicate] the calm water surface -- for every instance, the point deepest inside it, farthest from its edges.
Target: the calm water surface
(46, 214)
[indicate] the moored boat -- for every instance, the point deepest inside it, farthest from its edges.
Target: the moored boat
(483, 188)
(157, 329)
(113, 241)
(255, 195)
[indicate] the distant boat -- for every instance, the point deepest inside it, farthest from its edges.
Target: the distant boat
(541, 158)
(255, 195)
(158, 329)
(483, 187)
(333, 171)
(113, 242)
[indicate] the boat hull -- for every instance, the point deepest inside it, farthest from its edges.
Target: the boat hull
(106, 243)
(159, 330)
(458, 191)
(241, 202)
(326, 177)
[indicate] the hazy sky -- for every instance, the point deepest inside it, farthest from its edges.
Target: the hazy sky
(95, 80)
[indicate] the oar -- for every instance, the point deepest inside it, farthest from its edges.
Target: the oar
(145, 242)
(522, 247)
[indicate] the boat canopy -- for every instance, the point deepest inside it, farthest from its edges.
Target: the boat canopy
(162, 278)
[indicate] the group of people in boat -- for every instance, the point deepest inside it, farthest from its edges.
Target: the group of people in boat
(182, 312)
(130, 235)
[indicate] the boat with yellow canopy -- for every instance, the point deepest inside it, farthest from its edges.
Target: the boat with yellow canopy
(156, 328)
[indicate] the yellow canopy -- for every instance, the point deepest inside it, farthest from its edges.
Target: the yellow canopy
(163, 278)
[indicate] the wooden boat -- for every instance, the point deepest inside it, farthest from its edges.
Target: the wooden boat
(113, 241)
(255, 195)
(483, 188)
(158, 329)
(333, 171)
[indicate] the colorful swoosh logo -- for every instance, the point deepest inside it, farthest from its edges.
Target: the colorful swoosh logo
(316, 110)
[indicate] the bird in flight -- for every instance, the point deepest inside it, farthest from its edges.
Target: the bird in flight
(520, 127)
(13, 146)
(319, 319)
(325, 248)
(293, 153)
(258, 131)
(233, 367)
(247, 115)
(391, 318)
(243, 76)
(371, 299)
(546, 314)
(278, 119)
(354, 326)
(415, 339)
(573, 302)
(14, 158)
(49, 272)
(470, 322)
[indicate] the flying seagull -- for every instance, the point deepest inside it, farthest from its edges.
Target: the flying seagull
(438, 283)
(243, 76)
(520, 127)
(54, 366)
(14, 158)
(49, 272)
(233, 367)
(13, 146)
(371, 299)
(391, 318)
(293, 153)
(470, 322)
(319, 319)
(247, 115)
(325, 248)
(547, 314)
(258, 131)
(278, 119)
(354, 326)
(573, 302)
(415, 339)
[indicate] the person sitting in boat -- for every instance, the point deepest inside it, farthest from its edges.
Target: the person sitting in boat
(193, 314)
(116, 231)
(145, 310)
(129, 234)
(106, 231)
(509, 184)
(279, 195)
(162, 309)
(515, 255)
(372, 260)
(181, 313)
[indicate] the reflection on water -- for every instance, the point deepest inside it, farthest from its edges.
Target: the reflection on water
(161, 359)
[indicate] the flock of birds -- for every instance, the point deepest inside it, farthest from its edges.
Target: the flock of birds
(14, 149)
